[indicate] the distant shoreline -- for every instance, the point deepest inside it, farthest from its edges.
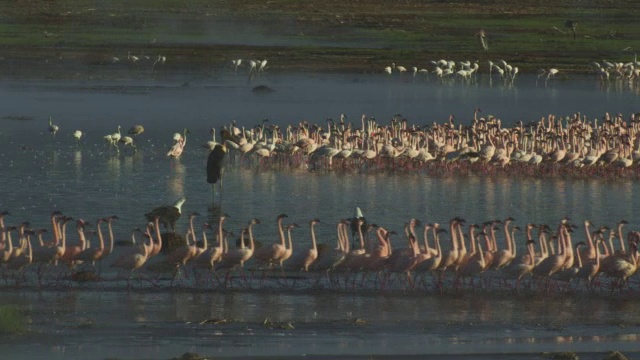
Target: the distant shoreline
(71, 40)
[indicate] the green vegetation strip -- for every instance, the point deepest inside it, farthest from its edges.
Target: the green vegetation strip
(532, 33)
(12, 320)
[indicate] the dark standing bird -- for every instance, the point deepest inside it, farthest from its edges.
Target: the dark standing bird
(570, 24)
(354, 223)
(215, 166)
(168, 214)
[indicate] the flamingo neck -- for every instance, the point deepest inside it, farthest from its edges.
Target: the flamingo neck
(100, 238)
(313, 238)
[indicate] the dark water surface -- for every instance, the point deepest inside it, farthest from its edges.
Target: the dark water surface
(160, 325)
(90, 181)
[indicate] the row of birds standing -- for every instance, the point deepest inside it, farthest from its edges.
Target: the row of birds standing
(629, 71)
(466, 71)
(570, 143)
(32, 248)
(551, 256)
(566, 144)
(113, 139)
(140, 60)
(256, 67)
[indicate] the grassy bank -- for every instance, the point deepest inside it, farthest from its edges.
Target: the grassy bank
(80, 38)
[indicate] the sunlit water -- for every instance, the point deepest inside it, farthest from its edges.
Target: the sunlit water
(40, 174)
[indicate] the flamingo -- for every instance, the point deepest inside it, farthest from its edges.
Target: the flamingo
(312, 253)
(236, 64)
(70, 252)
(127, 140)
(136, 130)
(329, 259)
(113, 139)
(182, 254)
(275, 252)
(553, 263)
(213, 254)
(289, 250)
(589, 269)
(134, 59)
(238, 256)
(404, 261)
(77, 135)
(252, 67)
(520, 270)
(7, 252)
(93, 253)
(505, 256)
(211, 144)
(53, 128)
(18, 263)
(132, 261)
(263, 66)
(178, 147)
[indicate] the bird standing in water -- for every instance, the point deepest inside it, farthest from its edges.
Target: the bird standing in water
(215, 168)
(483, 39)
(53, 128)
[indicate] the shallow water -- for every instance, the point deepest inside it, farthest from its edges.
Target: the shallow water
(160, 325)
(90, 181)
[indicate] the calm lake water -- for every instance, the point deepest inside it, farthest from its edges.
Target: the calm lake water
(88, 181)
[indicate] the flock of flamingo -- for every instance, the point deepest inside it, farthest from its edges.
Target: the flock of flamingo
(569, 146)
(552, 259)
(467, 71)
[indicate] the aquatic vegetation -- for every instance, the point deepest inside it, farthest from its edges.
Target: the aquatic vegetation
(191, 356)
(561, 356)
(268, 323)
(12, 320)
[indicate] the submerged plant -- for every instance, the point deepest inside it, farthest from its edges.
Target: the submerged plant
(12, 320)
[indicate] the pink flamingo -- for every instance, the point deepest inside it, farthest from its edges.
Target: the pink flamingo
(93, 253)
(312, 253)
(108, 250)
(213, 254)
(178, 147)
(183, 254)
(71, 252)
(275, 252)
(237, 257)
(157, 245)
(132, 261)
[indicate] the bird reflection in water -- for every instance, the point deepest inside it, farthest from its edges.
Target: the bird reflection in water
(215, 211)
(175, 182)
(113, 167)
(77, 164)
